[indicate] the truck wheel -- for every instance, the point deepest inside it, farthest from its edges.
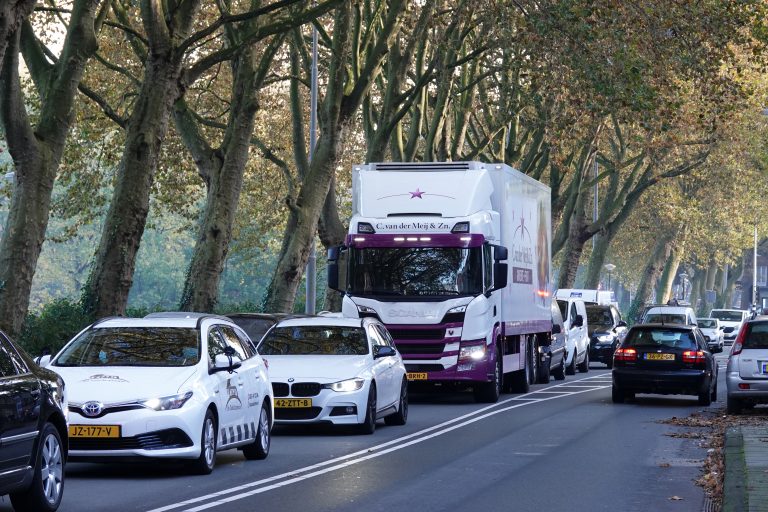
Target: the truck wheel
(571, 368)
(488, 392)
(531, 359)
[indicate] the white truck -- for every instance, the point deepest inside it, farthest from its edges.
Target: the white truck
(454, 258)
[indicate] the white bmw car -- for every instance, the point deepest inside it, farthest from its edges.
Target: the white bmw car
(170, 386)
(343, 371)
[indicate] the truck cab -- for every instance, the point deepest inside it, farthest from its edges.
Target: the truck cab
(428, 253)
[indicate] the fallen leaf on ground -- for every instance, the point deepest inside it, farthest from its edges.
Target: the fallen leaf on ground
(676, 498)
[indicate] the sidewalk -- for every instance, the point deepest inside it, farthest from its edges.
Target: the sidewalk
(746, 470)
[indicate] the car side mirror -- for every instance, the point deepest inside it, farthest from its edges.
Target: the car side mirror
(578, 321)
(224, 362)
(383, 351)
(556, 329)
(621, 323)
(44, 361)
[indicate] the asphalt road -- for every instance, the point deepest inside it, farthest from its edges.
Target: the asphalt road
(564, 446)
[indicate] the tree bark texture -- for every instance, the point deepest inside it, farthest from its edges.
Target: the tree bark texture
(650, 276)
(36, 153)
(106, 292)
(12, 13)
(664, 290)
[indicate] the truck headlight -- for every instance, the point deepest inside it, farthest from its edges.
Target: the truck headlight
(346, 385)
(458, 309)
(472, 352)
(167, 403)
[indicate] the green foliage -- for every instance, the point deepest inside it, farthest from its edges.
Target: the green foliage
(53, 326)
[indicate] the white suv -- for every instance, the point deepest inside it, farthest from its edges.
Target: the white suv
(170, 386)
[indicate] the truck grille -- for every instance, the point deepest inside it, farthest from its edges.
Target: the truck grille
(159, 440)
(420, 348)
(424, 368)
(416, 334)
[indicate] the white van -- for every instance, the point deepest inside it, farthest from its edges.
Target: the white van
(574, 313)
(600, 297)
(681, 315)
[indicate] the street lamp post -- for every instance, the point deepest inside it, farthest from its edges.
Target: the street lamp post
(609, 267)
(683, 277)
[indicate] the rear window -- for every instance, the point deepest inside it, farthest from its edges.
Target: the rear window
(661, 338)
(664, 318)
(706, 323)
(757, 336)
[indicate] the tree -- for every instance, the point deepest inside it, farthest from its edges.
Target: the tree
(37, 147)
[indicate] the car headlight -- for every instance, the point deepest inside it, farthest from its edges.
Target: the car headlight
(458, 309)
(604, 338)
(167, 403)
(346, 385)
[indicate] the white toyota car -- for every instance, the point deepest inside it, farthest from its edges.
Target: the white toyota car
(170, 386)
(344, 371)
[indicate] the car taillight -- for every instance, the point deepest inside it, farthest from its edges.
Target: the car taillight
(696, 357)
(625, 354)
(739, 343)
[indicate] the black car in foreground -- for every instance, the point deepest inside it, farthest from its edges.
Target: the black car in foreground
(665, 359)
(33, 431)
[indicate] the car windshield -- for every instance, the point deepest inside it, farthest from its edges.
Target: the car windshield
(757, 336)
(664, 318)
(599, 316)
(315, 340)
(416, 271)
(728, 316)
(660, 338)
(133, 346)
(707, 323)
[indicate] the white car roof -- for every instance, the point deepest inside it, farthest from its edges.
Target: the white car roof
(189, 321)
(321, 320)
(670, 309)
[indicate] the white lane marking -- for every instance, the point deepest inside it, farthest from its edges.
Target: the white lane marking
(296, 476)
(563, 393)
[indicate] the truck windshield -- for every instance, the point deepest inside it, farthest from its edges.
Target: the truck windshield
(416, 271)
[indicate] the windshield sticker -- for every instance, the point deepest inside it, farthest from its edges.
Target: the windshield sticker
(100, 377)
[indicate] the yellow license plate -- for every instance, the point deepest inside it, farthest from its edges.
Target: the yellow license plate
(94, 431)
(416, 375)
(660, 357)
(293, 403)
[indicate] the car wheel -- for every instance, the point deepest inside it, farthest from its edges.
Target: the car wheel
(571, 369)
(544, 371)
(47, 485)
(204, 464)
(733, 405)
(259, 449)
(705, 397)
(401, 416)
(714, 393)
(617, 395)
(489, 392)
(559, 373)
(584, 365)
(368, 426)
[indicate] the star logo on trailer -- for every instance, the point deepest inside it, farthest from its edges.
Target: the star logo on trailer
(418, 193)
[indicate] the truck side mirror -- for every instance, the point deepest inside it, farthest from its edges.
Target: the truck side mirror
(500, 253)
(333, 267)
(578, 321)
(556, 329)
(499, 275)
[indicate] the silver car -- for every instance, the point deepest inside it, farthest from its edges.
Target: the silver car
(747, 374)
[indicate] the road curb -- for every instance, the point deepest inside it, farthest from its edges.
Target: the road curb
(735, 497)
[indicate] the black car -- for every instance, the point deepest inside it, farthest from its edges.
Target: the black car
(671, 359)
(33, 431)
(606, 330)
